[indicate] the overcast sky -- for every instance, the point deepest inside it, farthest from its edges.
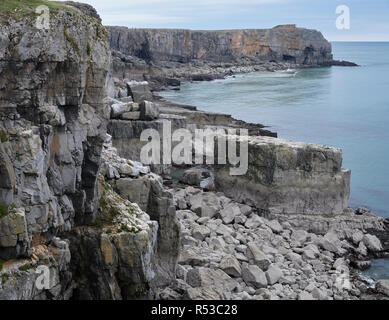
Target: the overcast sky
(369, 19)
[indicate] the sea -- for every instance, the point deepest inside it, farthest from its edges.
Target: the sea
(344, 107)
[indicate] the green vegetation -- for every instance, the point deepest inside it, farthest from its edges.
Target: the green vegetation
(4, 277)
(99, 223)
(1, 264)
(13, 206)
(106, 185)
(88, 49)
(108, 212)
(103, 203)
(26, 267)
(124, 228)
(72, 41)
(16, 5)
(101, 33)
(108, 231)
(3, 211)
(3, 137)
(26, 8)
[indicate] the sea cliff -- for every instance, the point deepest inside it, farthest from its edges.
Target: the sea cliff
(76, 201)
(282, 43)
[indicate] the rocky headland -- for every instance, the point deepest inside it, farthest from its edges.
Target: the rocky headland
(76, 201)
(167, 56)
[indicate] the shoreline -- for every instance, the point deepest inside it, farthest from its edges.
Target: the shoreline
(357, 274)
(158, 98)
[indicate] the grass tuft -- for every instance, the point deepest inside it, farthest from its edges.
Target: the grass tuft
(26, 267)
(19, 9)
(3, 211)
(3, 137)
(73, 42)
(4, 277)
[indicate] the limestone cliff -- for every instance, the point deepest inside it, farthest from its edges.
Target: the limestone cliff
(53, 119)
(282, 43)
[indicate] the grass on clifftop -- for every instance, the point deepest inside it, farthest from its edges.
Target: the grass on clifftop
(22, 8)
(26, 5)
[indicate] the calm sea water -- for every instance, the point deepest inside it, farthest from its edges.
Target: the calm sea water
(338, 106)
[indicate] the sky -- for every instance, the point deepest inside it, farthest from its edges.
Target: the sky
(369, 19)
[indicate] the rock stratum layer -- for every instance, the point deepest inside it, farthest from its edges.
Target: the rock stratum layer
(286, 177)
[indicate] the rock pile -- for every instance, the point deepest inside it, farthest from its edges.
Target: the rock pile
(230, 252)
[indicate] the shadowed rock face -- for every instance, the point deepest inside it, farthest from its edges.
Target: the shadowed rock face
(281, 44)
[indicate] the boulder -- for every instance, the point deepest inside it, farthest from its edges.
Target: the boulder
(372, 243)
(319, 294)
(357, 237)
(229, 213)
(139, 91)
(200, 232)
(300, 236)
(205, 204)
(205, 277)
(231, 266)
(203, 293)
(331, 242)
(260, 259)
(275, 226)
(131, 116)
(382, 286)
(192, 177)
(254, 222)
(273, 274)
(118, 109)
(304, 295)
(254, 276)
(241, 219)
(148, 111)
(362, 250)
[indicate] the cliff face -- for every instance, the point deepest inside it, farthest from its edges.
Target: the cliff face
(52, 119)
(53, 146)
(52, 88)
(283, 43)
